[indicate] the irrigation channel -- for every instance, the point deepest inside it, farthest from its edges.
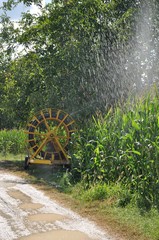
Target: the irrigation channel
(28, 214)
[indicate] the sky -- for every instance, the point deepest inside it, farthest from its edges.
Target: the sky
(16, 12)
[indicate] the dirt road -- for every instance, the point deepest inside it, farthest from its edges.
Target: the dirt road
(28, 214)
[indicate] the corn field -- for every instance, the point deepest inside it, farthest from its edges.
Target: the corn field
(12, 142)
(122, 147)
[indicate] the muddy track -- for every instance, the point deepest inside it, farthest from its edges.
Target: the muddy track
(26, 213)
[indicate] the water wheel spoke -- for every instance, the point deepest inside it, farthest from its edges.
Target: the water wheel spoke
(51, 134)
(38, 133)
(45, 121)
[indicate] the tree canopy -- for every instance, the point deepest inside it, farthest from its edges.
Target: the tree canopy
(73, 56)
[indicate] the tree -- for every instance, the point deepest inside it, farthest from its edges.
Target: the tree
(7, 46)
(10, 4)
(74, 57)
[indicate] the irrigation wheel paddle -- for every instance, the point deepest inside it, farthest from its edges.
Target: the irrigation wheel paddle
(49, 133)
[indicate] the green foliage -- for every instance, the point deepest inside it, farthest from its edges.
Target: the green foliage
(122, 147)
(115, 194)
(58, 62)
(146, 223)
(12, 141)
(10, 4)
(97, 192)
(65, 182)
(74, 56)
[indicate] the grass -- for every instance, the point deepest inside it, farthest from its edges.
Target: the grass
(100, 202)
(130, 216)
(10, 156)
(106, 202)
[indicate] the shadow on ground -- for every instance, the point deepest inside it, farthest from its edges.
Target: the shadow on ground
(13, 165)
(36, 173)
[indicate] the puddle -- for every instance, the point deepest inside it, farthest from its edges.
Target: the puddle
(46, 217)
(27, 204)
(28, 214)
(18, 195)
(57, 235)
(30, 206)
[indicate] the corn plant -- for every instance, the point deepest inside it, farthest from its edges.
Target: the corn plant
(12, 141)
(123, 146)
